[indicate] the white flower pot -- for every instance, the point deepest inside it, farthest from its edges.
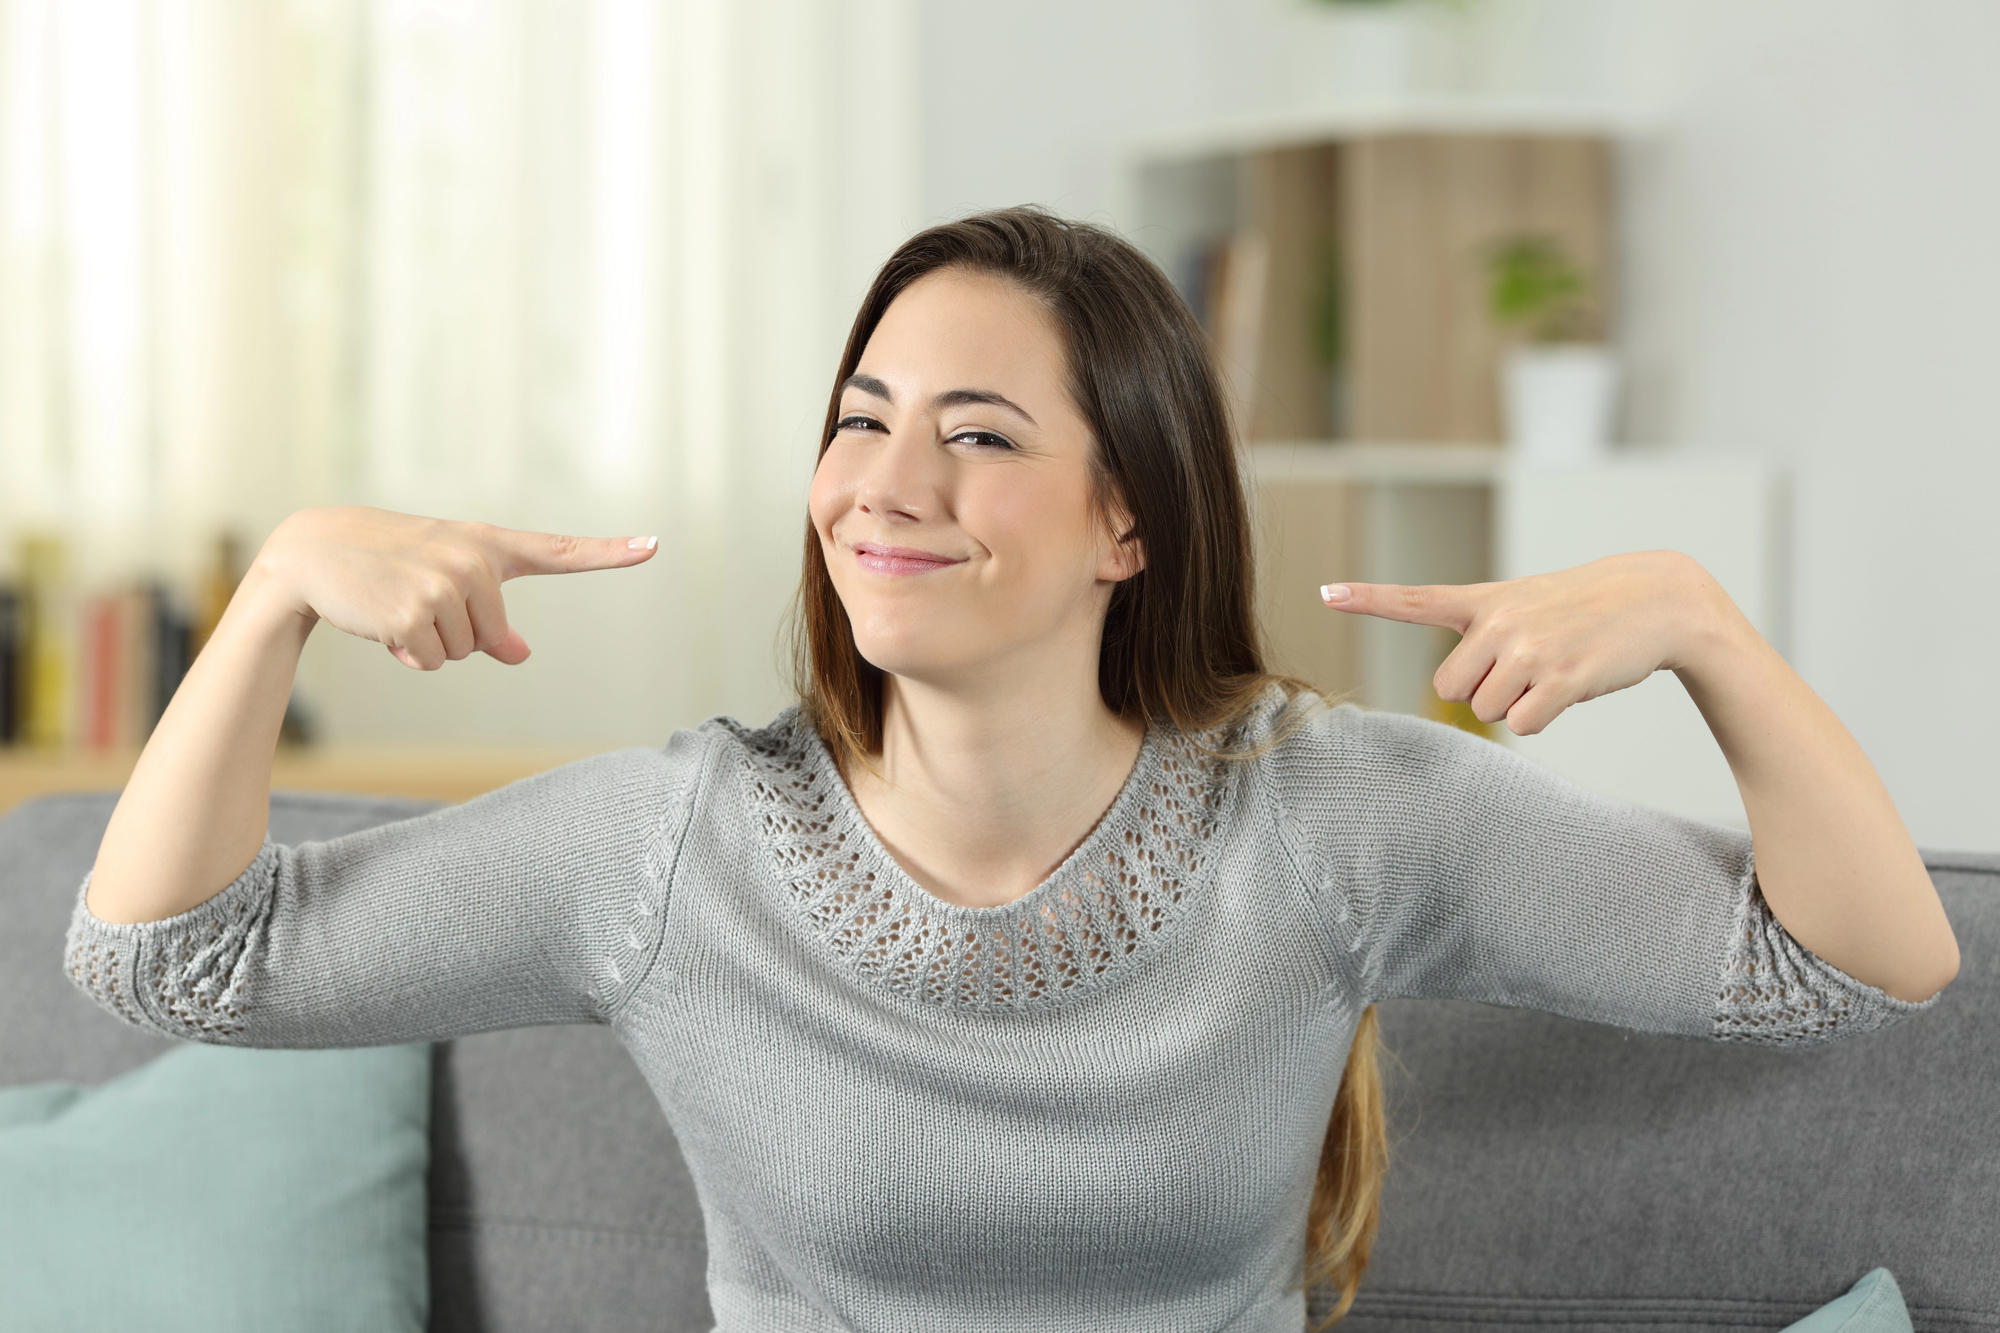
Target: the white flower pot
(1559, 400)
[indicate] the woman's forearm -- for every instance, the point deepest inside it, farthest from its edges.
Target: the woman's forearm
(195, 811)
(1834, 860)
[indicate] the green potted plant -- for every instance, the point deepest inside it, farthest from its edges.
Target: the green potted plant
(1559, 382)
(1327, 331)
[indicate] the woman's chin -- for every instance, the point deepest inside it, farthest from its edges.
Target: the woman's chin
(933, 664)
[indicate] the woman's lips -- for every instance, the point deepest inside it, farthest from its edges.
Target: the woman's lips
(897, 560)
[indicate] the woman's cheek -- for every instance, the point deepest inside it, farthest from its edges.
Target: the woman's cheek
(1023, 519)
(825, 499)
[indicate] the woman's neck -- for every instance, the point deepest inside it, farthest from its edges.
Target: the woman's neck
(980, 794)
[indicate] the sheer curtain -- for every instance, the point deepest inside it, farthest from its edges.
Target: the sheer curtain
(571, 264)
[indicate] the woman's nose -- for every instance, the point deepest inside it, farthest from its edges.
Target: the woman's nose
(901, 481)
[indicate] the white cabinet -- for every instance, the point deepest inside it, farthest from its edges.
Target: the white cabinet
(1648, 744)
(1407, 513)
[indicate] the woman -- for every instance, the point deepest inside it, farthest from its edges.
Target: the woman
(1009, 982)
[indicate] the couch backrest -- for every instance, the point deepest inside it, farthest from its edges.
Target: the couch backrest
(1554, 1172)
(1547, 1171)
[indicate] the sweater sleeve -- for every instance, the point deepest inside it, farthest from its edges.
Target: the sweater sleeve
(1446, 865)
(538, 903)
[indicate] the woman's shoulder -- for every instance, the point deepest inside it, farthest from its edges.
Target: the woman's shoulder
(1285, 722)
(692, 748)
(787, 733)
(1294, 741)
(783, 760)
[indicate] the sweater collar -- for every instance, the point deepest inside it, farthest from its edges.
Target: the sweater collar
(1121, 889)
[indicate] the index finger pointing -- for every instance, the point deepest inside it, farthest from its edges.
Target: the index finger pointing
(513, 553)
(1448, 604)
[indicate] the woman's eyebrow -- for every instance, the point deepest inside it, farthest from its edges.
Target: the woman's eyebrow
(960, 397)
(875, 388)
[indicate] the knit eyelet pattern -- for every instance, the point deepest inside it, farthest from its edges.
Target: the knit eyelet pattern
(1775, 992)
(1125, 885)
(194, 972)
(99, 967)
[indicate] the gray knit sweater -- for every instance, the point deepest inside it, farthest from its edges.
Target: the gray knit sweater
(1098, 1107)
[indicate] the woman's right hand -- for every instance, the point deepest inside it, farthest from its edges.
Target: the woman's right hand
(195, 810)
(425, 588)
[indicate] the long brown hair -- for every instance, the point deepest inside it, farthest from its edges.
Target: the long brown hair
(1180, 644)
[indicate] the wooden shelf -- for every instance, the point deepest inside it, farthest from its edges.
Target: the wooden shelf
(1393, 115)
(437, 774)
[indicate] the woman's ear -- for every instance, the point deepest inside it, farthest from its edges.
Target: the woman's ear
(1123, 554)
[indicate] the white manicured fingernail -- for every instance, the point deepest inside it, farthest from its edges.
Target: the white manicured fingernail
(1336, 592)
(643, 543)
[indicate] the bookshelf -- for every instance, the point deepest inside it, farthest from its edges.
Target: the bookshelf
(86, 670)
(89, 664)
(1338, 258)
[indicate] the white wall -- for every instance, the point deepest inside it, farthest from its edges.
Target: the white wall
(1814, 276)
(1810, 272)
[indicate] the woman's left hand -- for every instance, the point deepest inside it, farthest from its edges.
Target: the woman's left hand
(1531, 647)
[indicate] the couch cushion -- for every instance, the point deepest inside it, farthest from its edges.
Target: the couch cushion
(220, 1190)
(1874, 1305)
(559, 1200)
(1554, 1172)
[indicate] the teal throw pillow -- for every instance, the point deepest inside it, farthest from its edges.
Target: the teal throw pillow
(218, 1190)
(1872, 1305)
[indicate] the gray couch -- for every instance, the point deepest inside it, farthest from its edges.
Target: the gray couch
(1548, 1173)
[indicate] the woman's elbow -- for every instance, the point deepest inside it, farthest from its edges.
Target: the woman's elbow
(1931, 973)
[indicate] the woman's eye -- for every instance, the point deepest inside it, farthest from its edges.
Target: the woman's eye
(985, 439)
(857, 422)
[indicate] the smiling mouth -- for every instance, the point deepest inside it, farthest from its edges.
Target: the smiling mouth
(899, 560)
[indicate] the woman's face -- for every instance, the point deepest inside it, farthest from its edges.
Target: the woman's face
(954, 504)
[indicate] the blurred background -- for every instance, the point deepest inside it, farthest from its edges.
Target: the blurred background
(1498, 285)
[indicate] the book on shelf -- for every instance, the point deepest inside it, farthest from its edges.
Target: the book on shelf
(1226, 285)
(43, 681)
(94, 671)
(133, 660)
(13, 638)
